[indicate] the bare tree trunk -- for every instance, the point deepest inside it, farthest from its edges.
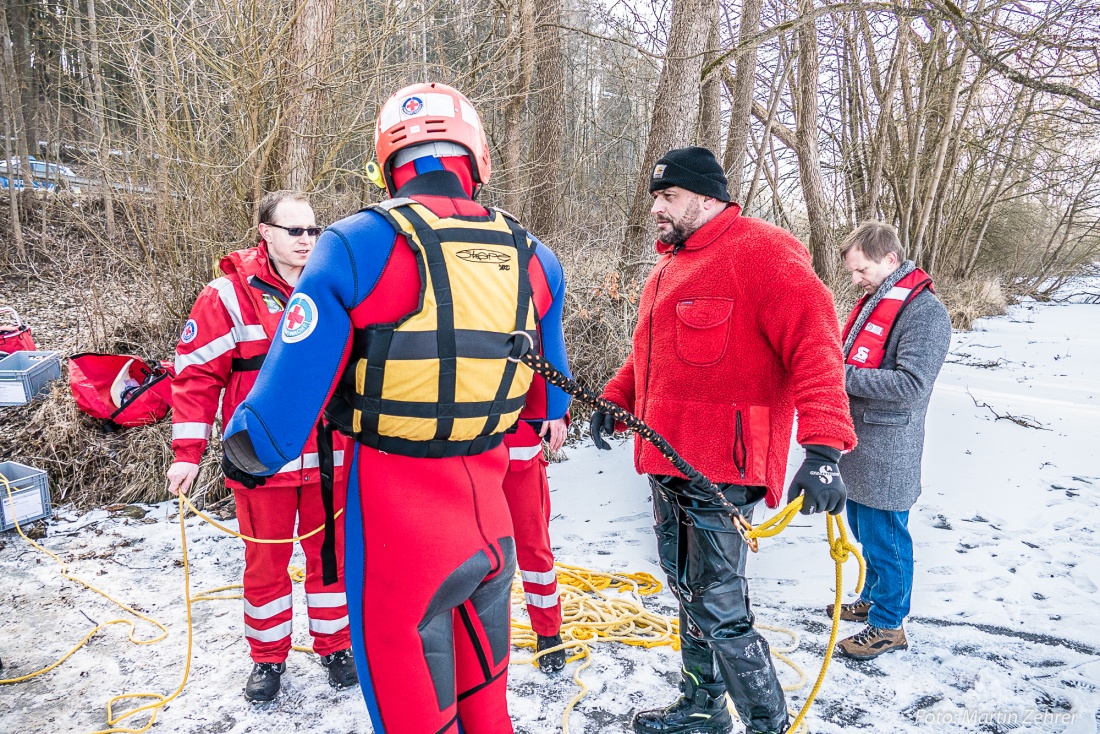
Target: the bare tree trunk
(869, 206)
(522, 74)
(547, 186)
(947, 133)
(310, 48)
(160, 147)
(710, 96)
(809, 161)
(674, 112)
(15, 101)
(737, 137)
(22, 85)
(6, 98)
(99, 120)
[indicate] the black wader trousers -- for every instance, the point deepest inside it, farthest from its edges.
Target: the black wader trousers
(704, 557)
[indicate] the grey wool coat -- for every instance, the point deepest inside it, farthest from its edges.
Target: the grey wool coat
(889, 404)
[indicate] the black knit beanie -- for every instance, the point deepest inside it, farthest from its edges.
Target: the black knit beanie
(695, 169)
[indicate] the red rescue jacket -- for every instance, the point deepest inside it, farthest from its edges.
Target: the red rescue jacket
(222, 346)
(735, 331)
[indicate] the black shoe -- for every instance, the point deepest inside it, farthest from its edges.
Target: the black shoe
(698, 711)
(263, 683)
(551, 662)
(341, 669)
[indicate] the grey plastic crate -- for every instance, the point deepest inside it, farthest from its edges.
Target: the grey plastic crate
(25, 375)
(30, 495)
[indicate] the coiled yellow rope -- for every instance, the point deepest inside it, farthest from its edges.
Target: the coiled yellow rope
(591, 615)
(159, 701)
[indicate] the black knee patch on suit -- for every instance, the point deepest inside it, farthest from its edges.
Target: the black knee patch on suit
(492, 603)
(437, 628)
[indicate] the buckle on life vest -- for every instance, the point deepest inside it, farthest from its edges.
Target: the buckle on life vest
(530, 345)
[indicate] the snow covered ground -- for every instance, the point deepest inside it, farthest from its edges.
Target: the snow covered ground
(1002, 636)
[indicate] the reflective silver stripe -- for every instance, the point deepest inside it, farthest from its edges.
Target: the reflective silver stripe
(295, 465)
(333, 599)
(216, 348)
(524, 453)
(898, 294)
(227, 294)
(539, 577)
(542, 601)
(311, 461)
(269, 610)
(191, 430)
(276, 633)
(327, 626)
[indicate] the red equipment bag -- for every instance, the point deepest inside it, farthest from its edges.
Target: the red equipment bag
(121, 388)
(15, 337)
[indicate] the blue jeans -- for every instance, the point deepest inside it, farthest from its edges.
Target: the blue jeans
(888, 550)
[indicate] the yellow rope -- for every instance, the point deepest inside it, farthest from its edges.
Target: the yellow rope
(840, 550)
(159, 700)
(249, 538)
(590, 615)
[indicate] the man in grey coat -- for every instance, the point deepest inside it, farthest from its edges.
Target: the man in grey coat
(895, 342)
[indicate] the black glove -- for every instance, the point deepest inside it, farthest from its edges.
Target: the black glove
(232, 471)
(819, 478)
(603, 424)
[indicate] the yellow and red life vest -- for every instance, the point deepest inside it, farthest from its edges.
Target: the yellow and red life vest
(440, 382)
(869, 347)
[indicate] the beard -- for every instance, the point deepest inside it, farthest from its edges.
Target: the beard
(682, 227)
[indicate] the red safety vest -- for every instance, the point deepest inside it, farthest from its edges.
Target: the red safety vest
(870, 345)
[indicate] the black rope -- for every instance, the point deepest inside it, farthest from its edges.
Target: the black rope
(542, 366)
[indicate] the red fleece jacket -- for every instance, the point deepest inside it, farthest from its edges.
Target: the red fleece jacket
(735, 332)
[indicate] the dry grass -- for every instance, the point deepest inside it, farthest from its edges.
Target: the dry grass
(969, 300)
(88, 466)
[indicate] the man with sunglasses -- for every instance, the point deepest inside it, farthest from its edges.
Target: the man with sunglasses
(222, 346)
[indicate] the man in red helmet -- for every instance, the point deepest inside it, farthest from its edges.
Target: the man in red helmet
(220, 351)
(411, 316)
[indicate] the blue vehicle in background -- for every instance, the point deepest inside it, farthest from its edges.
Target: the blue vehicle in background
(44, 176)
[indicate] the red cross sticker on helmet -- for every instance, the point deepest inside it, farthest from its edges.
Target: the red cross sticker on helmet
(300, 318)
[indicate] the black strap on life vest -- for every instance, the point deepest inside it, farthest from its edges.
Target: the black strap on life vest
(248, 364)
(327, 463)
(524, 250)
(444, 321)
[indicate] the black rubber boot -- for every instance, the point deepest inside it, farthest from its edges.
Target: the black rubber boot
(341, 669)
(551, 662)
(263, 683)
(700, 710)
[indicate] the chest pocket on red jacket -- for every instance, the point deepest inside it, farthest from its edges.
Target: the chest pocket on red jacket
(702, 329)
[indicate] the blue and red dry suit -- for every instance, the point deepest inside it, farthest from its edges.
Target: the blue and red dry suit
(429, 555)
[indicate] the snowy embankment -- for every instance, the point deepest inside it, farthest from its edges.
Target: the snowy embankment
(1003, 634)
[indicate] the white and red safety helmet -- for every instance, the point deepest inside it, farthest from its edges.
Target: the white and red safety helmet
(430, 113)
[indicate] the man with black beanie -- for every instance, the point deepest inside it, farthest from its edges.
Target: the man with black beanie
(735, 332)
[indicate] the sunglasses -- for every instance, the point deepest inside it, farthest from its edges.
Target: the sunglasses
(298, 231)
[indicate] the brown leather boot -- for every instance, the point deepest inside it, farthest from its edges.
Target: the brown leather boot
(854, 612)
(872, 642)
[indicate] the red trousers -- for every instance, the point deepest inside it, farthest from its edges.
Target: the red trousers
(270, 513)
(430, 560)
(528, 493)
